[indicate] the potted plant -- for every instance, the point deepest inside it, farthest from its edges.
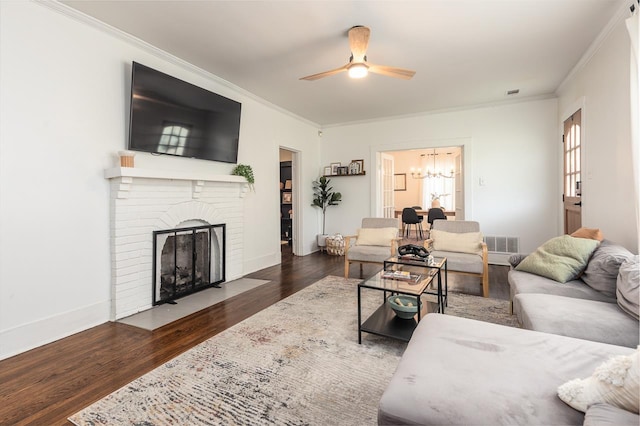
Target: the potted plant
(324, 196)
(246, 172)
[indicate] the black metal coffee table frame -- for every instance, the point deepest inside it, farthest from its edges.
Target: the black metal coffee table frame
(383, 321)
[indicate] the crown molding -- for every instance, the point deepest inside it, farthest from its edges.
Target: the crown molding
(619, 16)
(445, 110)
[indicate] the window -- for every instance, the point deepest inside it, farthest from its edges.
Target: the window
(572, 146)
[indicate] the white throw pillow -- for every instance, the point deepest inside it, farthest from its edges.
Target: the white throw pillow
(376, 236)
(615, 382)
(467, 242)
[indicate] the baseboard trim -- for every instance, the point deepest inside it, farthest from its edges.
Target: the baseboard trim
(29, 336)
(262, 262)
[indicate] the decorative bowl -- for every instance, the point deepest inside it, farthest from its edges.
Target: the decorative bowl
(402, 309)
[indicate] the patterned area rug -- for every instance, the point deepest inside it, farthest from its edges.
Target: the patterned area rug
(482, 309)
(297, 362)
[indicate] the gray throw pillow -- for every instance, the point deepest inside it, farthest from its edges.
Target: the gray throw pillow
(601, 272)
(515, 259)
(628, 286)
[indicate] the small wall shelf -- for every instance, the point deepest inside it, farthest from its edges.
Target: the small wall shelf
(358, 174)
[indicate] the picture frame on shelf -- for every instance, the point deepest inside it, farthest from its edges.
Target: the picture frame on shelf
(354, 168)
(400, 182)
(286, 198)
(334, 168)
(287, 184)
(343, 170)
(360, 165)
(327, 171)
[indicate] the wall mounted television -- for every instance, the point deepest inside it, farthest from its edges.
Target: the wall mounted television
(171, 116)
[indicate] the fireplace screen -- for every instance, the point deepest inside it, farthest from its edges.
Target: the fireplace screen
(187, 260)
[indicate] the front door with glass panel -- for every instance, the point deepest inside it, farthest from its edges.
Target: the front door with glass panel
(572, 143)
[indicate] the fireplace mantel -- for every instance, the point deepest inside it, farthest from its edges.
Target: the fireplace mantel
(116, 172)
(127, 174)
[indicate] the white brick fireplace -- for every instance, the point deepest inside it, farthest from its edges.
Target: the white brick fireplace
(143, 201)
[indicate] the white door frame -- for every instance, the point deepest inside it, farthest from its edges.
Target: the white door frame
(296, 194)
(386, 184)
(459, 185)
(467, 151)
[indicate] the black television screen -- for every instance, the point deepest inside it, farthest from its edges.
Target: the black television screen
(171, 116)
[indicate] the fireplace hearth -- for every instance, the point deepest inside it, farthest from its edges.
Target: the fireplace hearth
(187, 260)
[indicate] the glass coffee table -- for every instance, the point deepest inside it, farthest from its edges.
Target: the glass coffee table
(439, 263)
(383, 321)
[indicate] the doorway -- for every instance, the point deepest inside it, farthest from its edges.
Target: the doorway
(287, 159)
(425, 175)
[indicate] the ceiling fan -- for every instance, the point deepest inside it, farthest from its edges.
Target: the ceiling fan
(358, 66)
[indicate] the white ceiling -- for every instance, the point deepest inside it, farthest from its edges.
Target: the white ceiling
(464, 52)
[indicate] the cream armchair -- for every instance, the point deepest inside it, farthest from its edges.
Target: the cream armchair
(461, 243)
(376, 241)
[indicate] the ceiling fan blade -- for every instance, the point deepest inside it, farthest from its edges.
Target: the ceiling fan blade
(358, 42)
(391, 71)
(324, 73)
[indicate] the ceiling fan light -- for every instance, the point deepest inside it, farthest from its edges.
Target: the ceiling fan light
(358, 71)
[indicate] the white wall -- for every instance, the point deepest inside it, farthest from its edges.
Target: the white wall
(64, 110)
(512, 147)
(602, 89)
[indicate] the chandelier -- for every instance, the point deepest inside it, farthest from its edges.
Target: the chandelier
(430, 173)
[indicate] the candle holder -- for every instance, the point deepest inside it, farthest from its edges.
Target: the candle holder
(126, 158)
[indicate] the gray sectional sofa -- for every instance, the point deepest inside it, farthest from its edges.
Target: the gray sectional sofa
(462, 371)
(586, 307)
(458, 371)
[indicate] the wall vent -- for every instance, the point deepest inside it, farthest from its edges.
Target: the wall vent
(502, 244)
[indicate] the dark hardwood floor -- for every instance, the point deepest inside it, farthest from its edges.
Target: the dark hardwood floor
(47, 384)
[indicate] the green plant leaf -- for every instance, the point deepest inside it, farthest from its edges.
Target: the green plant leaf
(324, 196)
(245, 171)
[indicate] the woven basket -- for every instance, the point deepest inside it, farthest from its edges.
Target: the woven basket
(335, 246)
